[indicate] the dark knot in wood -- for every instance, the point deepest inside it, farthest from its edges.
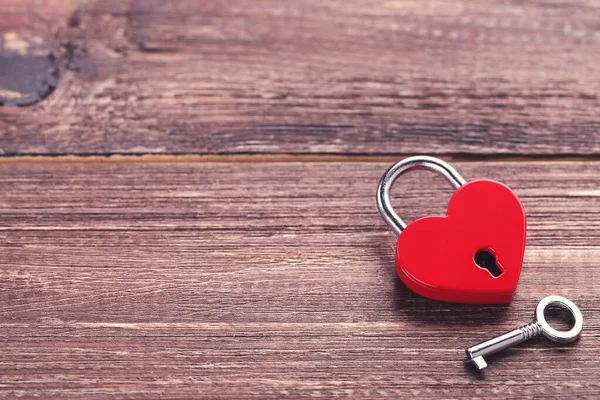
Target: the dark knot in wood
(29, 70)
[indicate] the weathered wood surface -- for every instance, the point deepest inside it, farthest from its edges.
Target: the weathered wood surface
(332, 76)
(266, 280)
(270, 280)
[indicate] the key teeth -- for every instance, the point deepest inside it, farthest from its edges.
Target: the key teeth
(479, 363)
(531, 330)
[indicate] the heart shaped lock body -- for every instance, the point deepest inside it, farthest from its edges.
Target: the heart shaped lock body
(435, 256)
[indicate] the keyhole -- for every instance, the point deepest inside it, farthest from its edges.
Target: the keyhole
(487, 260)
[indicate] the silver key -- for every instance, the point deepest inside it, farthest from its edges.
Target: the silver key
(538, 327)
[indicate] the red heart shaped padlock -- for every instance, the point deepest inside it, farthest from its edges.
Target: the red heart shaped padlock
(474, 253)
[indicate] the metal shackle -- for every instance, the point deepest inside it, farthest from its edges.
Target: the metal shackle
(408, 164)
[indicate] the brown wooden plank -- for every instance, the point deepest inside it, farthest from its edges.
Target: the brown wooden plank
(267, 280)
(440, 77)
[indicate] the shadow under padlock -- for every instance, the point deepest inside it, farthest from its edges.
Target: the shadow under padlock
(415, 307)
(474, 253)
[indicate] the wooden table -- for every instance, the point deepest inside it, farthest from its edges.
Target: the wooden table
(188, 204)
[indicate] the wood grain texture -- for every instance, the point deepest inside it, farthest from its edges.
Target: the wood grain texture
(360, 77)
(272, 280)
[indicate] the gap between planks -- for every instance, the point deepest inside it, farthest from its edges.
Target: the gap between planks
(279, 158)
